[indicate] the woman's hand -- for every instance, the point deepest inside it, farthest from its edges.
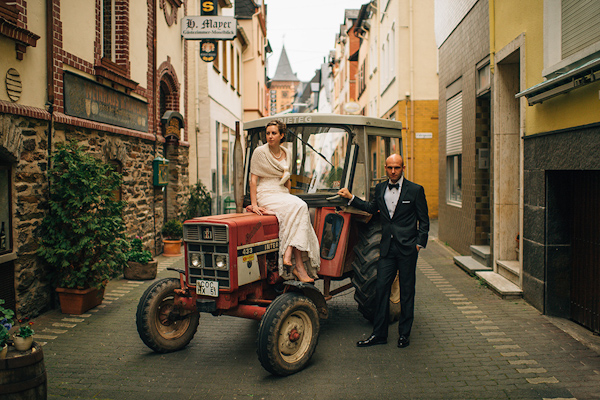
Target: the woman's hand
(257, 210)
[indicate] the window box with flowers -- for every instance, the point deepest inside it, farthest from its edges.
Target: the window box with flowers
(140, 264)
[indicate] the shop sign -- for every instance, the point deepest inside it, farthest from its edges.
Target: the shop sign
(218, 27)
(90, 100)
(208, 50)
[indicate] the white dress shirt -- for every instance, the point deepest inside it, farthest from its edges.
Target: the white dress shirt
(391, 196)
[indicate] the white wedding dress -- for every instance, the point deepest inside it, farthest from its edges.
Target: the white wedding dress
(295, 228)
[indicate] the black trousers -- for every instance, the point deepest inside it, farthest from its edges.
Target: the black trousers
(406, 266)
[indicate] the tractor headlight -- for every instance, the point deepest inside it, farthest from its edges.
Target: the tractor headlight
(195, 260)
(221, 262)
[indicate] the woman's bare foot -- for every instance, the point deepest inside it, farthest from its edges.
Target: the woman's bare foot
(287, 257)
(302, 277)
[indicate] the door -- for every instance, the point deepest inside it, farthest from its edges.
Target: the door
(585, 249)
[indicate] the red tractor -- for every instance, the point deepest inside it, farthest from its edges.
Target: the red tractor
(231, 259)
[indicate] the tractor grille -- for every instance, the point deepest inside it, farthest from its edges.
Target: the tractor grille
(208, 243)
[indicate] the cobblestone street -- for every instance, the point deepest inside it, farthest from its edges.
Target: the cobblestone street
(466, 343)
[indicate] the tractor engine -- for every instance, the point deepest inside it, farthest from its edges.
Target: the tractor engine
(230, 258)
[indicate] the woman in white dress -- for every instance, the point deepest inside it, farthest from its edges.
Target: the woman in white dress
(270, 194)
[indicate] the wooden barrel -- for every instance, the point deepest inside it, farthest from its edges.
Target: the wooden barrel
(23, 375)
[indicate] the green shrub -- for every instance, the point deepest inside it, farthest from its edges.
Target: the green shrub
(172, 230)
(199, 202)
(137, 252)
(83, 232)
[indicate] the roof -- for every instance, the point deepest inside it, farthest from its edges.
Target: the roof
(244, 9)
(284, 69)
(327, 119)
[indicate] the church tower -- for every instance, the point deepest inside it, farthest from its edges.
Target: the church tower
(283, 85)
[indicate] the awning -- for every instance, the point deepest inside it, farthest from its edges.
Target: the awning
(580, 76)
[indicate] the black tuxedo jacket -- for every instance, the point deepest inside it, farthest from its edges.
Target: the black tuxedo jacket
(402, 226)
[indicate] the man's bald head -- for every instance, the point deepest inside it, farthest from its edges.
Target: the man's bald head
(394, 166)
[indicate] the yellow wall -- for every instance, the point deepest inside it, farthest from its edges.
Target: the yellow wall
(424, 169)
(78, 36)
(32, 68)
(578, 107)
(138, 46)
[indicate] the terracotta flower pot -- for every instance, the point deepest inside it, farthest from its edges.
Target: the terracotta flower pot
(23, 343)
(78, 301)
(172, 248)
(140, 272)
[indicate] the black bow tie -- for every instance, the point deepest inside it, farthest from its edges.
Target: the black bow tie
(393, 185)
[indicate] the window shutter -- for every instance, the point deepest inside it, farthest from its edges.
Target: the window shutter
(454, 125)
(580, 27)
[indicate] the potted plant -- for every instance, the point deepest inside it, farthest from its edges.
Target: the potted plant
(83, 232)
(172, 233)
(24, 337)
(140, 264)
(199, 202)
(6, 323)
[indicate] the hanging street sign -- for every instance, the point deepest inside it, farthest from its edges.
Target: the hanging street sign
(208, 50)
(218, 27)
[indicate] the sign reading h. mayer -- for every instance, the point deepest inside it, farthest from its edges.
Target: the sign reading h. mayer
(208, 27)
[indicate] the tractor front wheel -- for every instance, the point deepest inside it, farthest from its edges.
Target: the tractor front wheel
(161, 325)
(288, 334)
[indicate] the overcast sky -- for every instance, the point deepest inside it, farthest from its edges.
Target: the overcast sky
(307, 28)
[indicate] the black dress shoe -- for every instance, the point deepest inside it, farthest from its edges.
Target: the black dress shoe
(371, 341)
(403, 341)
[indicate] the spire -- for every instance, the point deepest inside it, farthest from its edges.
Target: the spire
(284, 70)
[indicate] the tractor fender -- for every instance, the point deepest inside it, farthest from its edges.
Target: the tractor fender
(310, 291)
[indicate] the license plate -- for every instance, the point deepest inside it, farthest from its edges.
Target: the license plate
(207, 288)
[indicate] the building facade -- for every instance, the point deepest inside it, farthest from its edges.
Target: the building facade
(396, 78)
(519, 110)
(103, 74)
(282, 86)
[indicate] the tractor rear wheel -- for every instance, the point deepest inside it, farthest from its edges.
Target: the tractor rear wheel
(288, 334)
(161, 326)
(365, 272)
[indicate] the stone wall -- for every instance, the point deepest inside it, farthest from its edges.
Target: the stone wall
(24, 145)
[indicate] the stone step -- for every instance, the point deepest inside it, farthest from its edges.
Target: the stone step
(470, 265)
(499, 284)
(510, 269)
(482, 253)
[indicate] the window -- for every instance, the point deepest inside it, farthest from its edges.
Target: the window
(454, 172)
(571, 35)
(216, 60)
(373, 55)
(388, 59)
(225, 51)
(454, 148)
(483, 79)
(108, 29)
(380, 149)
(237, 72)
(5, 210)
(225, 181)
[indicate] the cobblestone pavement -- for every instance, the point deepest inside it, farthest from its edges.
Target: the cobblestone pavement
(467, 343)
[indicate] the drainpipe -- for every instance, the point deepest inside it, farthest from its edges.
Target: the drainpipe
(492, 13)
(50, 76)
(154, 113)
(412, 91)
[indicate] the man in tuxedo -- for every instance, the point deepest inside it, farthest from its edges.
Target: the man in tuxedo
(404, 231)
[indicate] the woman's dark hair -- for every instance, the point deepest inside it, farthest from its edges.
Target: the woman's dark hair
(281, 126)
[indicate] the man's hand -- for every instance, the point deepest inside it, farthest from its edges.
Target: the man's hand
(345, 193)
